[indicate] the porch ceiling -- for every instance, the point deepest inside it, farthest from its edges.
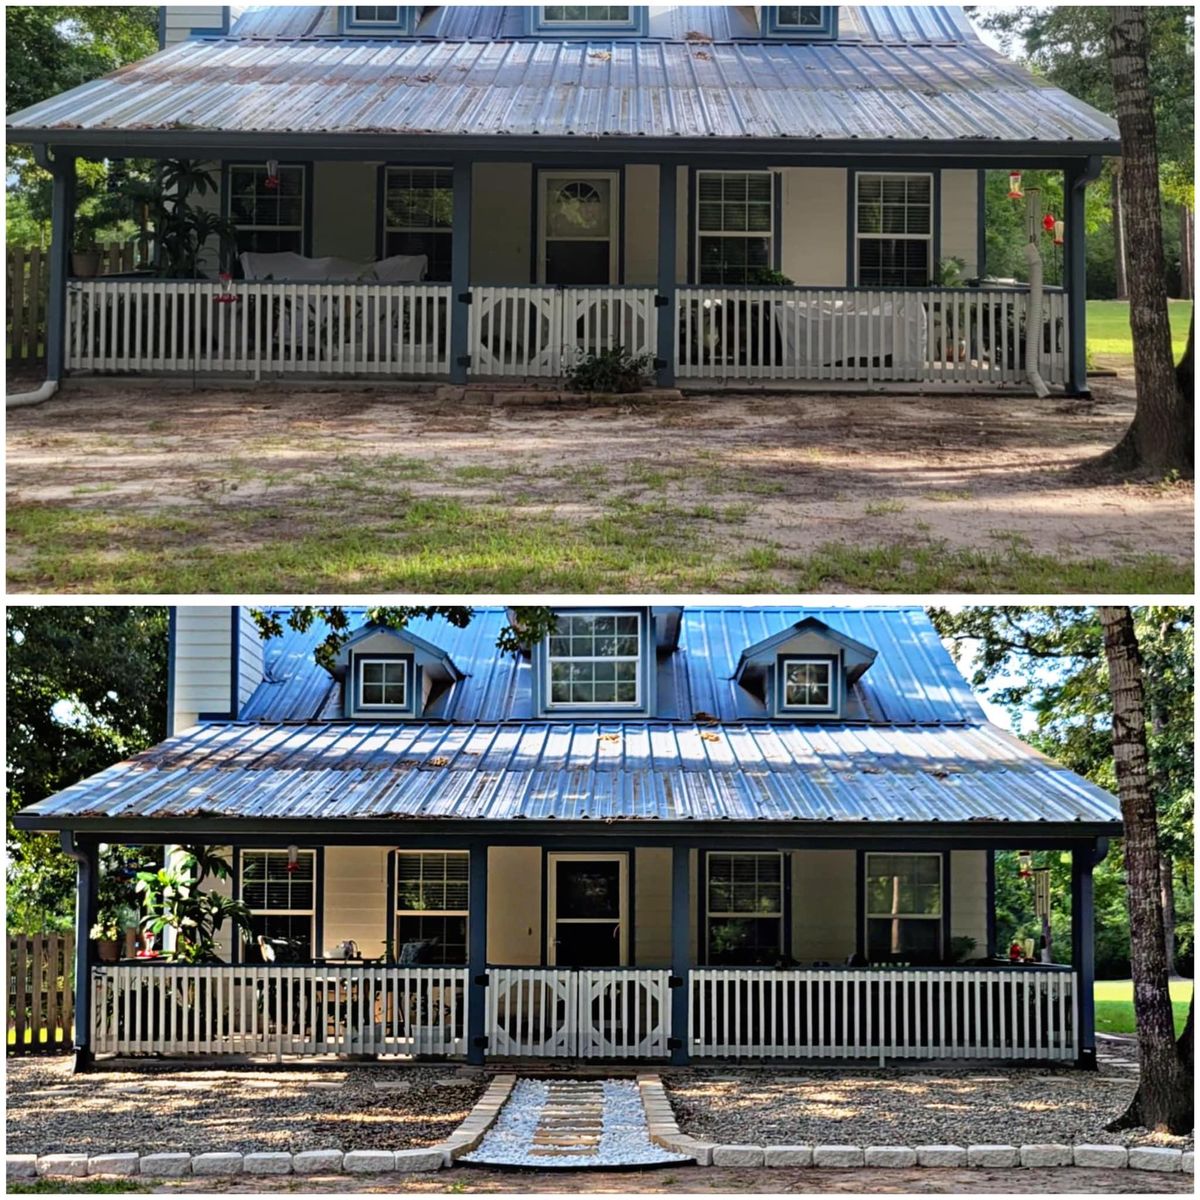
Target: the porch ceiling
(903, 97)
(682, 773)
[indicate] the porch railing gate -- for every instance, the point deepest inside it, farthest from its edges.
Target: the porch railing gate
(551, 1012)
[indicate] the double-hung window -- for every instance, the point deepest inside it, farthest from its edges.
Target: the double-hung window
(432, 894)
(282, 901)
(419, 216)
(800, 16)
(808, 684)
(744, 909)
(735, 227)
(586, 14)
(594, 659)
(894, 230)
(268, 218)
(904, 908)
(376, 14)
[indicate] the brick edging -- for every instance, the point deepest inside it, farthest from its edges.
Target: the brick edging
(224, 1164)
(665, 1132)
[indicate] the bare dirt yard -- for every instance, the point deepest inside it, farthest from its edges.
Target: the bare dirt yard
(115, 488)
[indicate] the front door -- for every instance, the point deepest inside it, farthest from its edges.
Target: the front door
(579, 227)
(587, 910)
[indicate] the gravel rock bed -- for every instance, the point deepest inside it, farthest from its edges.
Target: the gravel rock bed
(902, 1108)
(158, 1107)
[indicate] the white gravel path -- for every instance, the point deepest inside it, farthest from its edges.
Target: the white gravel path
(624, 1141)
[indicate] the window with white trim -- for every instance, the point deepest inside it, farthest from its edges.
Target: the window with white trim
(904, 908)
(808, 683)
(587, 14)
(893, 230)
(419, 216)
(744, 909)
(282, 900)
(735, 227)
(382, 682)
(800, 16)
(594, 660)
(268, 219)
(432, 899)
(376, 14)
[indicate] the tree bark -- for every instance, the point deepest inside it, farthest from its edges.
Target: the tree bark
(1157, 439)
(1163, 1100)
(1187, 251)
(1120, 278)
(1166, 869)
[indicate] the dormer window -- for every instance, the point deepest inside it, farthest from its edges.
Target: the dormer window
(376, 18)
(382, 683)
(808, 684)
(803, 22)
(574, 19)
(594, 660)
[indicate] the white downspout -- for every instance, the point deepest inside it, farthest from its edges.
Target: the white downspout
(1033, 318)
(22, 399)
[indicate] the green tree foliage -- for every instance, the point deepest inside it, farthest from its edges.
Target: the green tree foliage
(86, 687)
(1046, 666)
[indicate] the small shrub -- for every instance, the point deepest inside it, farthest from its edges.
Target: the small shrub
(613, 370)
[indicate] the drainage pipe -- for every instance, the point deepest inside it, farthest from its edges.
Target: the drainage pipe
(1033, 323)
(23, 399)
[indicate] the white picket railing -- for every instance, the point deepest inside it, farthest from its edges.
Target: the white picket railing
(950, 335)
(313, 1009)
(555, 1012)
(534, 332)
(963, 1013)
(262, 328)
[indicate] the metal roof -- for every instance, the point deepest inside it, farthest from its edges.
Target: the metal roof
(586, 771)
(912, 681)
(900, 76)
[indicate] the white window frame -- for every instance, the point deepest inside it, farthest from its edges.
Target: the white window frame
(709, 914)
(614, 217)
(869, 916)
(800, 659)
(382, 22)
(799, 26)
(928, 238)
(553, 858)
(398, 912)
(255, 228)
(311, 913)
(629, 22)
(589, 704)
(360, 663)
(737, 233)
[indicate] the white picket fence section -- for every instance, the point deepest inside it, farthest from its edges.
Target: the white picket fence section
(962, 1013)
(263, 328)
(313, 1009)
(952, 335)
(538, 332)
(551, 1012)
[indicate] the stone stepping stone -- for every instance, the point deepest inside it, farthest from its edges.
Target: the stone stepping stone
(381, 1085)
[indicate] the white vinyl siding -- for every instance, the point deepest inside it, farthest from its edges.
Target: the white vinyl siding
(202, 661)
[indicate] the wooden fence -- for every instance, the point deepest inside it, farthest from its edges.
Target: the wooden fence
(27, 270)
(41, 995)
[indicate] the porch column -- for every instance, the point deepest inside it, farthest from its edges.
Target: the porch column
(62, 234)
(681, 942)
(1076, 177)
(1083, 946)
(87, 883)
(477, 954)
(667, 196)
(460, 274)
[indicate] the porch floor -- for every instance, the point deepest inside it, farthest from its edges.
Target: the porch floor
(114, 488)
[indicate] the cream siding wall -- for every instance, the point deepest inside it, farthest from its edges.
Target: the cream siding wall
(652, 907)
(203, 644)
(344, 196)
(356, 901)
(813, 219)
(514, 916)
(824, 905)
(501, 223)
(960, 192)
(640, 223)
(968, 898)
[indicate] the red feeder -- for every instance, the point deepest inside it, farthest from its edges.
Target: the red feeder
(293, 861)
(1048, 222)
(226, 295)
(271, 183)
(1014, 186)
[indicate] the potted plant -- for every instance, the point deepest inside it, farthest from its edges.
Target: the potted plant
(106, 934)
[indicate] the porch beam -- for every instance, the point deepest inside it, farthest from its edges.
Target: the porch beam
(477, 904)
(681, 947)
(87, 885)
(61, 166)
(460, 272)
(668, 180)
(1076, 177)
(1083, 946)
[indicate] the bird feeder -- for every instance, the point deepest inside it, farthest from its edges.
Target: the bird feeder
(1024, 863)
(293, 860)
(1048, 222)
(1015, 191)
(271, 183)
(1059, 230)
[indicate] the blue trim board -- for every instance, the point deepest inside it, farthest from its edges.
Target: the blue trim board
(477, 905)
(460, 270)
(668, 233)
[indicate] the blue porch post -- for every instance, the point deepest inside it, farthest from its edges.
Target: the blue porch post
(87, 884)
(477, 979)
(1083, 946)
(681, 944)
(460, 274)
(1076, 177)
(667, 203)
(62, 234)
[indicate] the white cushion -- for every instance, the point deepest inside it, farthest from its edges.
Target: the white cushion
(287, 265)
(401, 268)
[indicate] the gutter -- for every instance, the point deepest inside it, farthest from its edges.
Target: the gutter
(39, 396)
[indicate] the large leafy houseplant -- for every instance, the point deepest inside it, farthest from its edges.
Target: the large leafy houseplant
(183, 230)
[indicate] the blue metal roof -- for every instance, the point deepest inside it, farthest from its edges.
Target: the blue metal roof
(588, 771)
(897, 75)
(912, 681)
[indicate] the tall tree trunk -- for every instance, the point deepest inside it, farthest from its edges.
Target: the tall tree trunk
(1120, 278)
(1163, 1100)
(1157, 440)
(1166, 870)
(1187, 251)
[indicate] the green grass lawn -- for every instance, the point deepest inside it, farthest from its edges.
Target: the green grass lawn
(1108, 336)
(1114, 1004)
